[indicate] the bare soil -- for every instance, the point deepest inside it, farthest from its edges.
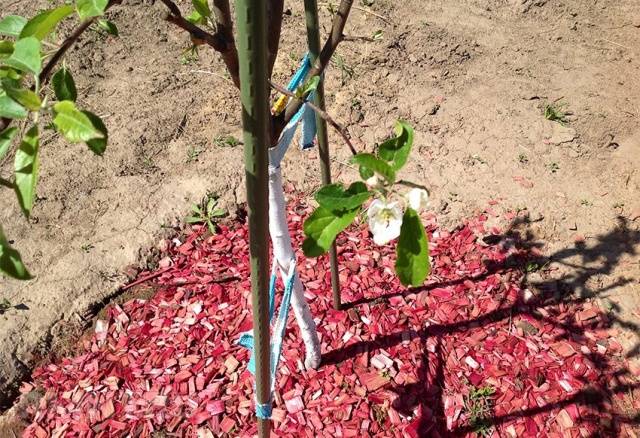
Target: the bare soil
(472, 76)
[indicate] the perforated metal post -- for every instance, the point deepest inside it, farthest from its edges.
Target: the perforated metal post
(252, 53)
(313, 41)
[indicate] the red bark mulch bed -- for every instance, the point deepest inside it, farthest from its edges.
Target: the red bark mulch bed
(469, 353)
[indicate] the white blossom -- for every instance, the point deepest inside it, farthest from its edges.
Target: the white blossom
(385, 220)
(418, 199)
(373, 181)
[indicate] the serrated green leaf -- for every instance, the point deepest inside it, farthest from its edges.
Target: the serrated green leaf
(11, 109)
(73, 124)
(412, 252)
(396, 150)
(43, 24)
(91, 8)
(5, 140)
(334, 197)
(193, 220)
(23, 96)
(10, 260)
(322, 227)
(64, 86)
(109, 27)
(211, 203)
(26, 55)
(12, 25)
(371, 163)
(26, 166)
(97, 145)
(202, 7)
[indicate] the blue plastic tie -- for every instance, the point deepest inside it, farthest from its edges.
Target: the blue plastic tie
(305, 115)
(263, 411)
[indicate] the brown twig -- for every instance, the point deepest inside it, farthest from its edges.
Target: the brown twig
(354, 38)
(367, 11)
(217, 41)
(224, 25)
(322, 113)
(66, 45)
(330, 46)
(45, 74)
(145, 278)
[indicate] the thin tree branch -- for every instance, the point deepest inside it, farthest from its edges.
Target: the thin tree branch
(45, 74)
(66, 45)
(275, 9)
(224, 25)
(217, 41)
(322, 113)
(330, 46)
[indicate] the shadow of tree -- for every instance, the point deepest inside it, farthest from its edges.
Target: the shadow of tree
(580, 270)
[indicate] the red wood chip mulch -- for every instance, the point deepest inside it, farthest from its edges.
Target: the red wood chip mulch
(397, 362)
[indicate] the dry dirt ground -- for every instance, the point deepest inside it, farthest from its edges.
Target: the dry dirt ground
(472, 76)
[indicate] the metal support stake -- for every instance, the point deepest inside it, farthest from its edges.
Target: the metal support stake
(252, 52)
(313, 41)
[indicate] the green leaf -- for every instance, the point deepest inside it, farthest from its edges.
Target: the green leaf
(91, 8)
(23, 96)
(5, 140)
(365, 173)
(64, 86)
(12, 25)
(42, 24)
(26, 166)
(335, 198)
(6, 49)
(412, 252)
(322, 227)
(11, 109)
(202, 7)
(97, 145)
(218, 212)
(396, 150)
(372, 163)
(194, 220)
(26, 55)
(8, 72)
(196, 18)
(10, 260)
(307, 87)
(73, 124)
(109, 27)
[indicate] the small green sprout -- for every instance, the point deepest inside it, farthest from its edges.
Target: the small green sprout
(207, 212)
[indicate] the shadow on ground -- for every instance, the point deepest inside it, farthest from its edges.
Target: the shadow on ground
(581, 267)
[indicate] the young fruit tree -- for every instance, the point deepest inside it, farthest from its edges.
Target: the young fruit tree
(37, 93)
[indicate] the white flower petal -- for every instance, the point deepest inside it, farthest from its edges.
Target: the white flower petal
(418, 199)
(385, 221)
(373, 181)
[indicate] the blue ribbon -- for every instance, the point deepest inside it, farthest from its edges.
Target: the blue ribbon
(304, 114)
